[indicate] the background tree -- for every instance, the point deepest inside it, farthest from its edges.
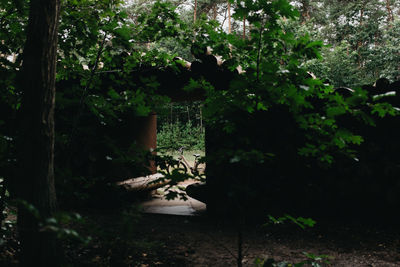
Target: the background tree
(361, 32)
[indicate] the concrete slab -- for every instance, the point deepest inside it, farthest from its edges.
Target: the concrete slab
(160, 205)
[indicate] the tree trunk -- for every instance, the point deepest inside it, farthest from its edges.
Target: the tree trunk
(390, 18)
(201, 119)
(195, 11)
(305, 11)
(171, 120)
(215, 11)
(244, 28)
(360, 42)
(188, 114)
(36, 137)
(229, 18)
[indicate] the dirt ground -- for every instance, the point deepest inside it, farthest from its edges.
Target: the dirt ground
(202, 242)
(166, 240)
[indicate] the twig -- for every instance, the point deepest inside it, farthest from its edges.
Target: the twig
(222, 245)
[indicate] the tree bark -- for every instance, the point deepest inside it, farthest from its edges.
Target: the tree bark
(195, 11)
(36, 137)
(244, 28)
(305, 11)
(390, 17)
(360, 42)
(215, 11)
(201, 119)
(229, 18)
(188, 114)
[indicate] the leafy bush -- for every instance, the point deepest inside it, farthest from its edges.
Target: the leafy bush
(175, 135)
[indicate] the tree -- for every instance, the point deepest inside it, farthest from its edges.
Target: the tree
(195, 11)
(363, 28)
(36, 137)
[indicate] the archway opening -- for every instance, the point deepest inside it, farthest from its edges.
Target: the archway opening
(181, 133)
(181, 136)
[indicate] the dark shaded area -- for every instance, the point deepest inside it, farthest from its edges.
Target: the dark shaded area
(120, 239)
(362, 187)
(91, 154)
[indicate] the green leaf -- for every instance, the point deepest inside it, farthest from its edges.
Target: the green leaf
(51, 220)
(113, 94)
(335, 111)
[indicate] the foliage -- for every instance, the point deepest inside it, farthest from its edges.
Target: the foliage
(270, 113)
(176, 135)
(98, 103)
(339, 66)
(99, 106)
(13, 18)
(273, 77)
(300, 221)
(180, 125)
(56, 224)
(361, 36)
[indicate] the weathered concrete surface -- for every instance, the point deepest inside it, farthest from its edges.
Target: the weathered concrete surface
(190, 207)
(160, 205)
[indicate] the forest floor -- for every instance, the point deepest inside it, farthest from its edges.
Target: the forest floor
(126, 236)
(129, 238)
(200, 242)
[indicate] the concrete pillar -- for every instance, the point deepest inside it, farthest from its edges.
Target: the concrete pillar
(147, 136)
